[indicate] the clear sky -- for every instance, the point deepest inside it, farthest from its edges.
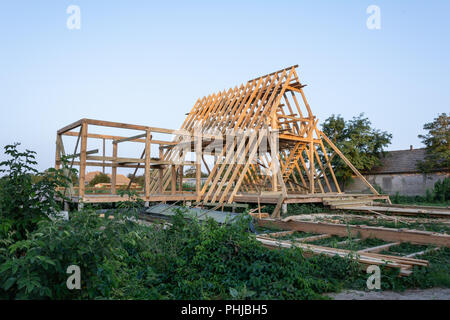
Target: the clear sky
(147, 62)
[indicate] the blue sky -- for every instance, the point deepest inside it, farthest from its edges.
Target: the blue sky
(146, 62)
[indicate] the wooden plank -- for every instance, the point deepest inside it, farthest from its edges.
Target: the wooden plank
(111, 137)
(70, 127)
(400, 211)
(174, 179)
(117, 159)
(313, 238)
(104, 155)
(133, 176)
(76, 155)
(420, 253)
(379, 248)
(57, 152)
(279, 234)
(130, 138)
(276, 211)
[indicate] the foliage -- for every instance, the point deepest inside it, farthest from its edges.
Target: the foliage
(437, 142)
(191, 172)
(140, 180)
(441, 190)
(24, 203)
(99, 178)
(358, 141)
(120, 259)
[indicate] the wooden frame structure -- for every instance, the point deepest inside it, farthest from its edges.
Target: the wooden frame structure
(262, 136)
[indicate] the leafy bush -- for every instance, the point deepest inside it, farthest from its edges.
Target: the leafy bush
(441, 190)
(99, 178)
(25, 200)
(121, 259)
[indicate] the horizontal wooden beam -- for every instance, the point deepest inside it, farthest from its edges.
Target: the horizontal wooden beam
(109, 137)
(313, 238)
(130, 138)
(296, 138)
(71, 127)
(113, 159)
(379, 248)
(103, 123)
(94, 151)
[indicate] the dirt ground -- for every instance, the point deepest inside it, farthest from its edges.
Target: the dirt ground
(414, 294)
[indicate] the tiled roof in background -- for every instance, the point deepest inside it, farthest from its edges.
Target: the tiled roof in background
(400, 161)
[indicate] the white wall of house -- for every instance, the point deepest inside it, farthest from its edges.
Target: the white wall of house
(408, 184)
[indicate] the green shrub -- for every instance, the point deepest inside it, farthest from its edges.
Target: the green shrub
(441, 190)
(99, 178)
(120, 259)
(24, 199)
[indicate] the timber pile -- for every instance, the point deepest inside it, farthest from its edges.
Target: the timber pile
(400, 211)
(360, 231)
(347, 201)
(367, 204)
(365, 258)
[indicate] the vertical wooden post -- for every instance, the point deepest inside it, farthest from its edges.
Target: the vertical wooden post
(181, 178)
(82, 179)
(174, 179)
(274, 125)
(58, 153)
(198, 163)
(311, 165)
(147, 164)
(104, 155)
(274, 161)
(114, 170)
(160, 171)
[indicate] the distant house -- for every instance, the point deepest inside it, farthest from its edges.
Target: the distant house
(398, 173)
(121, 180)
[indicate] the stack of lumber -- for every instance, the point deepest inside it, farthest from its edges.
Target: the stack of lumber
(365, 258)
(361, 203)
(398, 210)
(344, 203)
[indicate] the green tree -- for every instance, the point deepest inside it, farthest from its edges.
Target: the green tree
(27, 196)
(140, 180)
(358, 141)
(99, 178)
(437, 142)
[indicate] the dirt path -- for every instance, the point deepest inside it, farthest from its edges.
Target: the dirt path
(415, 294)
